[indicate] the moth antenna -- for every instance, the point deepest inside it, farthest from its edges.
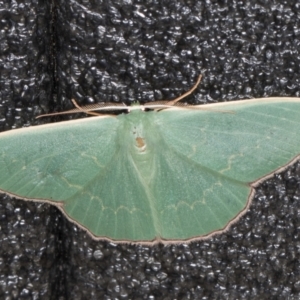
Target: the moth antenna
(89, 109)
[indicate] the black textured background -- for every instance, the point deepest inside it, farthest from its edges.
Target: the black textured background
(100, 50)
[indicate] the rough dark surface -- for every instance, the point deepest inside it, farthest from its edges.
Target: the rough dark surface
(125, 51)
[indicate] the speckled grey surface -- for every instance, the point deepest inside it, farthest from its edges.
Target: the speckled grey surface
(125, 51)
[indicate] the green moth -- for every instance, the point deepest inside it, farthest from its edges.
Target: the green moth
(171, 174)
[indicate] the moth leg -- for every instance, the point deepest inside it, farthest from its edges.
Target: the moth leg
(83, 110)
(173, 102)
